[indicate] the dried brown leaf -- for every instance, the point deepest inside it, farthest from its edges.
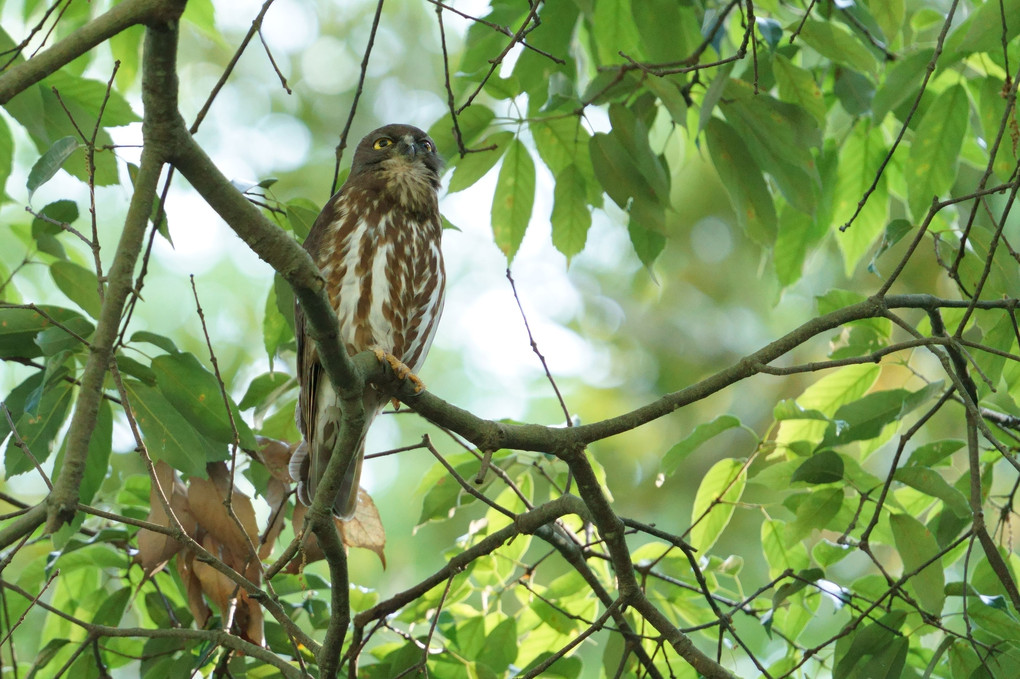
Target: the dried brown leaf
(275, 455)
(156, 549)
(363, 530)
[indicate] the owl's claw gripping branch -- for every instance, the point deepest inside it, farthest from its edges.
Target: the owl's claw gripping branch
(401, 370)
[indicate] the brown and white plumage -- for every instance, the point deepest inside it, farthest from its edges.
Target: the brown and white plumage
(377, 245)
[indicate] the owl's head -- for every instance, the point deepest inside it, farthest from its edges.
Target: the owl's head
(403, 154)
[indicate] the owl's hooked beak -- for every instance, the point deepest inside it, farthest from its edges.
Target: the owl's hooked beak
(407, 147)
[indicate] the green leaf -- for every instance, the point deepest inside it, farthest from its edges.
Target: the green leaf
(613, 31)
(798, 86)
(779, 555)
(825, 466)
(79, 284)
(19, 328)
(100, 448)
(916, 545)
(112, 609)
(276, 331)
(743, 180)
(196, 394)
(164, 343)
(935, 150)
(46, 233)
(902, 82)
(648, 244)
(826, 395)
(788, 589)
(875, 651)
(859, 160)
(6, 157)
(262, 386)
(995, 620)
(931, 483)
(501, 646)
(866, 417)
(90, 96)
(702, 433)
(472, 122)
(715, 501)
(779, 137)
(168, 435)
(816, 510)
(38, 426)
(301, 214)
(934, 453)
(570, 217)
(514, 199)
(890, 15)
(983, 31)
(474, 166)
(50, 162)
(835, 41)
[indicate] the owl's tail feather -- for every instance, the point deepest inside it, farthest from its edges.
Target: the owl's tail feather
(300, 468)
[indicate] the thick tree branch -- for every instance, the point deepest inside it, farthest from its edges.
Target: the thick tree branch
(122, 15)
(159, 96)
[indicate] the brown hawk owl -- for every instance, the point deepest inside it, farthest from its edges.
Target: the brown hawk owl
(377, 245)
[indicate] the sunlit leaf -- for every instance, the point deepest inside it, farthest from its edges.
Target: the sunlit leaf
(570, 217)
(714, 503)
(514, 199)
(935, 151)
(703, 432)
(931, 483)
(474, 166)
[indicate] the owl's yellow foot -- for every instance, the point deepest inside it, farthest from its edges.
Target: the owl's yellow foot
(401, 370)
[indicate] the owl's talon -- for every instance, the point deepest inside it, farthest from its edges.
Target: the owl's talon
(401, 370)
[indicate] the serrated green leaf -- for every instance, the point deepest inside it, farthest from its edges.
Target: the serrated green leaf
(916, 546)
(570, 217)
(474, 166)
(168, 435)
(703, 432)
(514, 199)
(79, 284)
(89, 95)
(935, 150)
(50, 162)
(715, 501)
(743, 180)
(196, 394)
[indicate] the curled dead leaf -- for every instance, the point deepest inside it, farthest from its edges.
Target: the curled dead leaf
(155, 549)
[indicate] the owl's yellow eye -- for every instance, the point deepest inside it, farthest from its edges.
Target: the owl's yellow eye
(382, 142)
(427, 145)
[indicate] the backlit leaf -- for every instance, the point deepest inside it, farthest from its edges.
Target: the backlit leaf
(514, 199)
(50, 162)
(714, 503)
(917, 546)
